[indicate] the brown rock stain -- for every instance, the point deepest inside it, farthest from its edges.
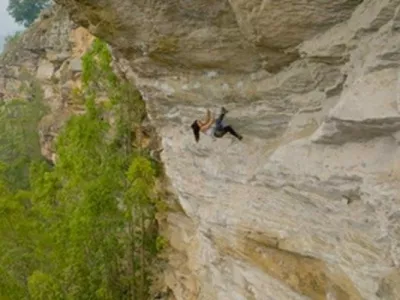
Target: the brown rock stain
(82, 39)
(306, 275)
(389, 287)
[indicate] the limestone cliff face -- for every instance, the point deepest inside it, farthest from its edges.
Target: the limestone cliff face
(47, 55)
(307, 206)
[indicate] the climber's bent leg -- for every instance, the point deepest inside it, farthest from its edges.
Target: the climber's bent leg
(218, 122)
(220, 132)
(233, 132)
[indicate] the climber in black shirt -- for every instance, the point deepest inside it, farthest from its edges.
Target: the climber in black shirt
(213, 127)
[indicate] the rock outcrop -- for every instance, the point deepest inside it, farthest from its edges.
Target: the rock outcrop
(307, 206)
(45, 61)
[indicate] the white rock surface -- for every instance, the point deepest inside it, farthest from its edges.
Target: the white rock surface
(45, 70)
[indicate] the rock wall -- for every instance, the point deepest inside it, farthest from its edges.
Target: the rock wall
(47, 54)
(307, 206)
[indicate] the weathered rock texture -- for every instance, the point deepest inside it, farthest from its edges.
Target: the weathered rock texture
(47, 55)
(307, 206)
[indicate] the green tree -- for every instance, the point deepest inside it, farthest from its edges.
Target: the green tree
(84, 228)
(138, 201)
(42, 286)
(17, 248)
(26, 11)
(19, 139)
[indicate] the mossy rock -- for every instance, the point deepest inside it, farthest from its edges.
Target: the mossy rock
(167, 45)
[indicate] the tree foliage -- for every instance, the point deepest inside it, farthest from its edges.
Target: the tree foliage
(85, 228)
(19, 139)
(25, 12)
